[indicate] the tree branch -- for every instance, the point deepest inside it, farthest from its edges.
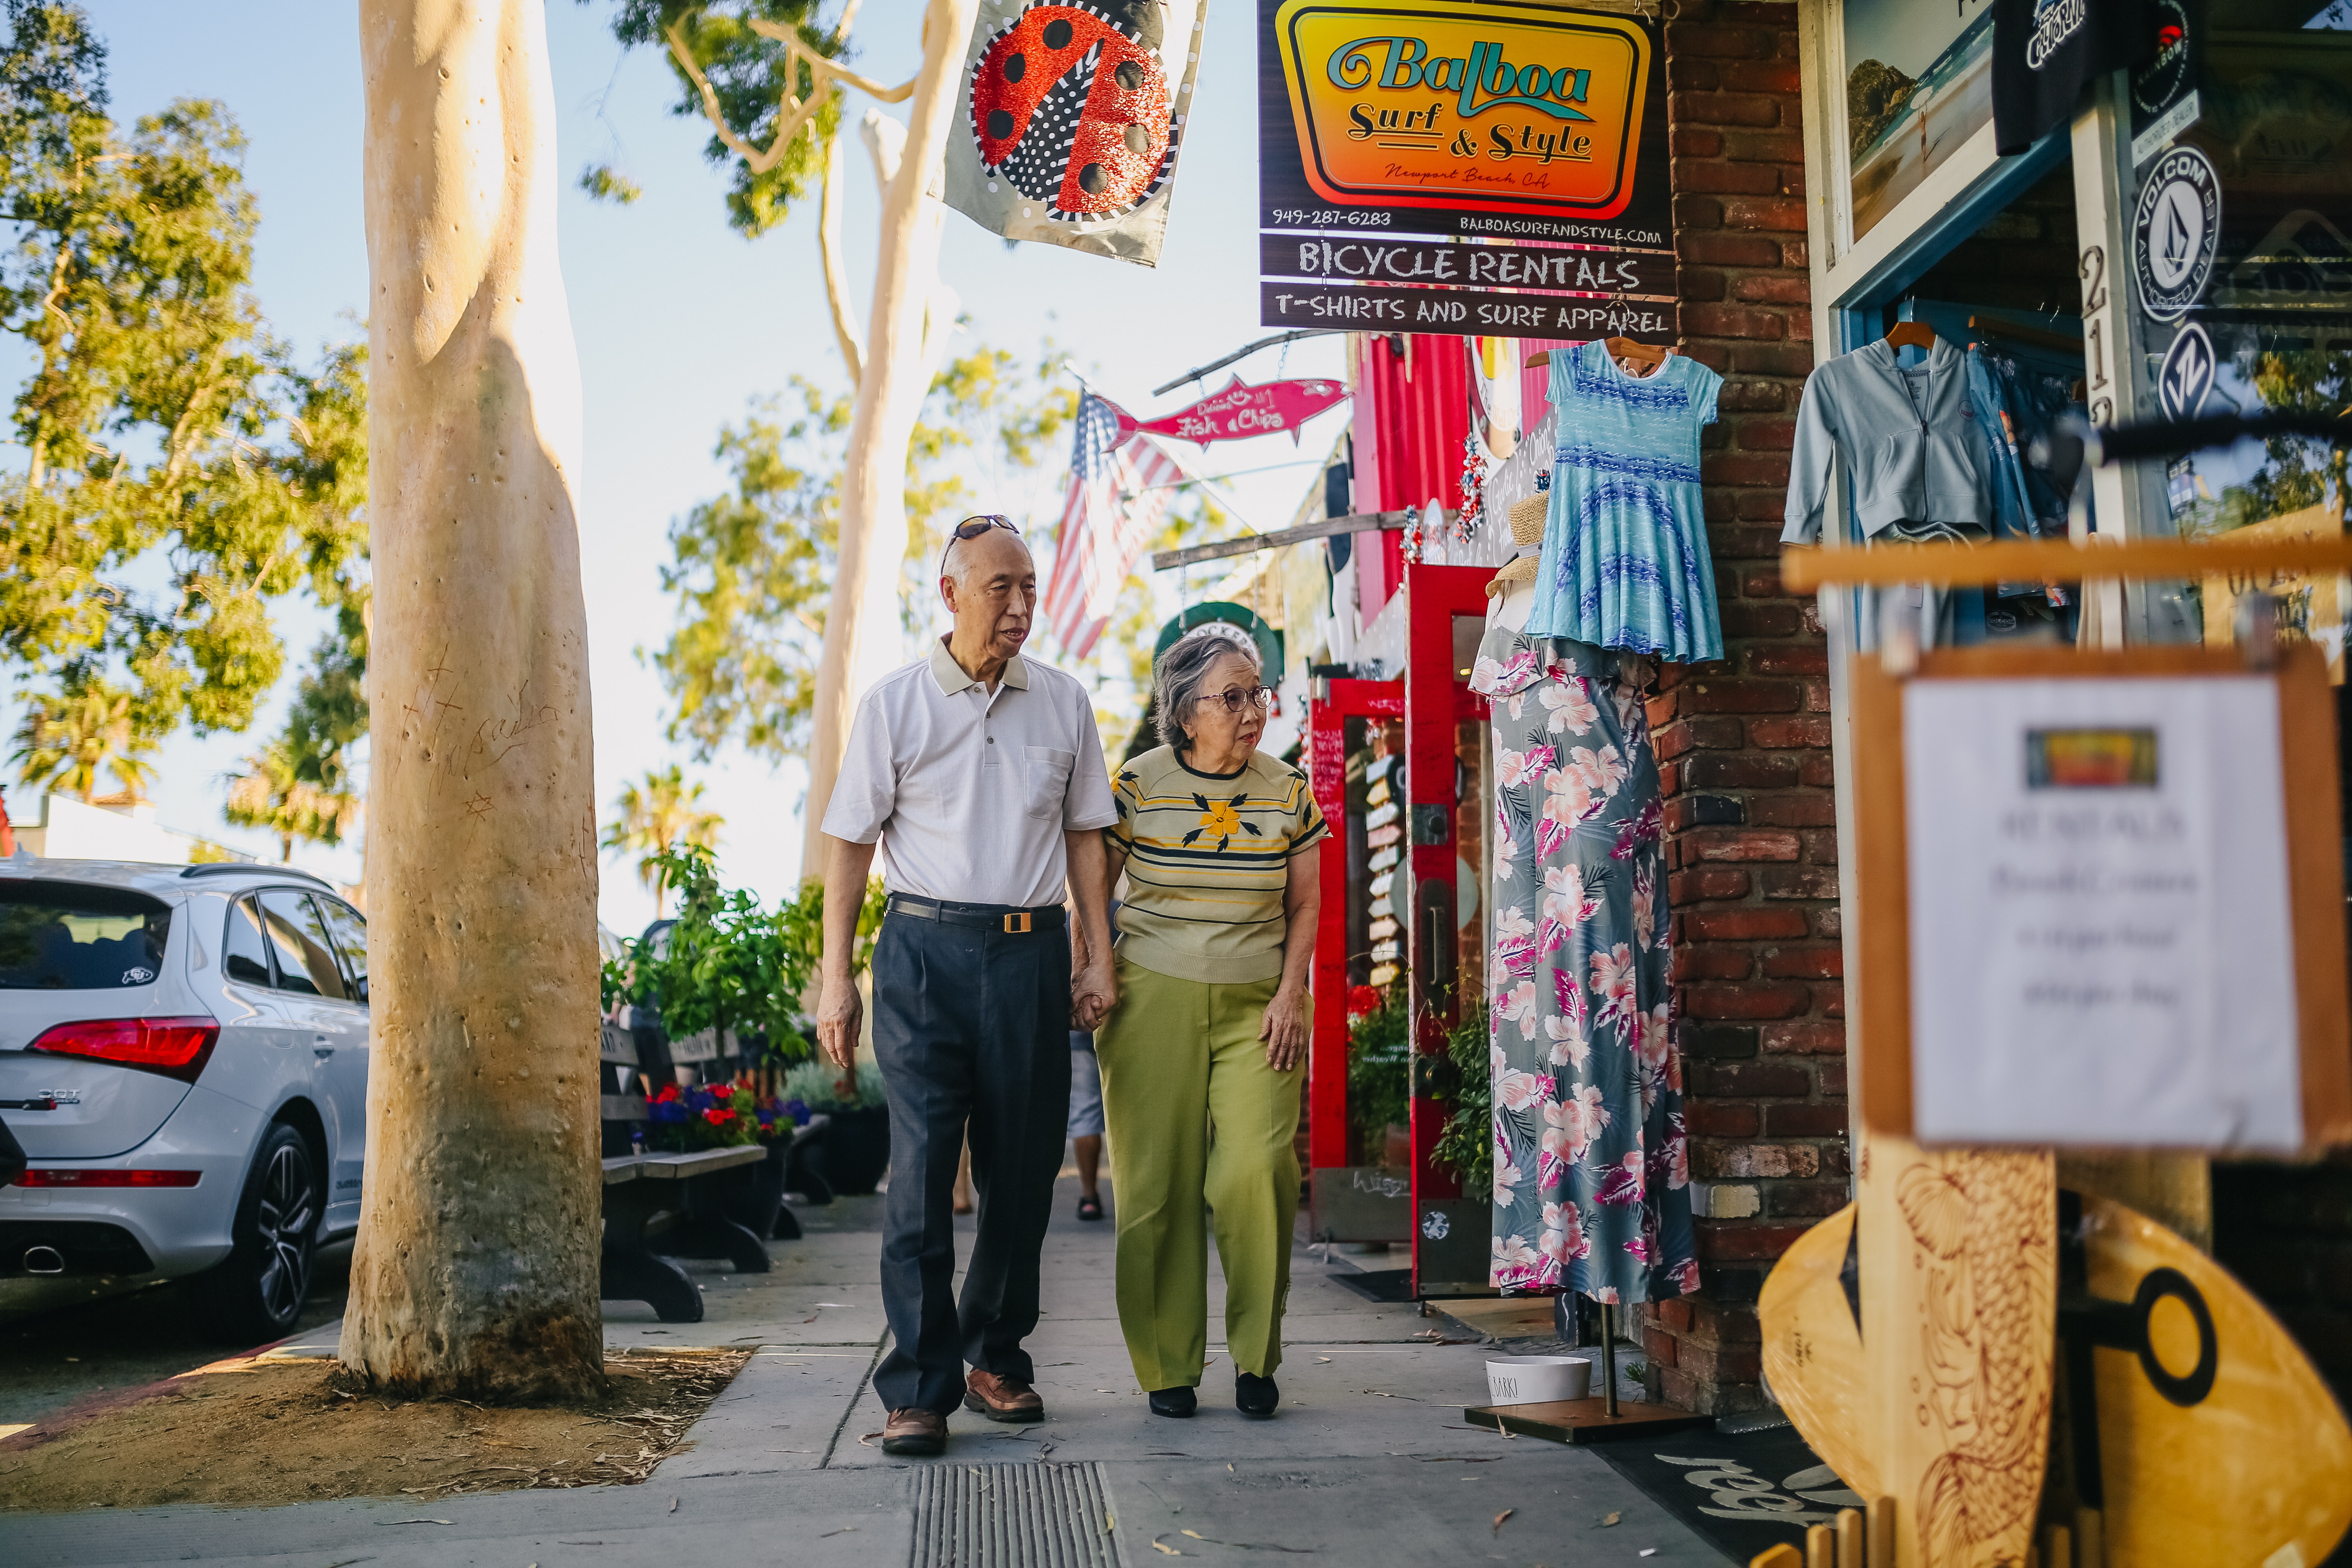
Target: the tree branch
(795, 112)
(828, 245)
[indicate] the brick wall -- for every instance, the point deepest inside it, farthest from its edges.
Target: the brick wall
(1743, 746)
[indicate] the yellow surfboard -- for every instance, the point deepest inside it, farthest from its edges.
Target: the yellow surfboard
(1812, 1351)
(2218, 1445)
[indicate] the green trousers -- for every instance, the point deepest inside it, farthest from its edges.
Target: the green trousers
(1195, 1115)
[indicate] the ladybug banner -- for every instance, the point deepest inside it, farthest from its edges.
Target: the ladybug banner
(1071, 117)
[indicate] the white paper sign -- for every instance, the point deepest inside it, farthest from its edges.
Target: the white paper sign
(2100, 946)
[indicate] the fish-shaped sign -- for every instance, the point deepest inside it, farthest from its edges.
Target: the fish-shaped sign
(1242, 410)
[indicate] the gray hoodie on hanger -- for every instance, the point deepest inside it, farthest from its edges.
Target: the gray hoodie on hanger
(1910, 466)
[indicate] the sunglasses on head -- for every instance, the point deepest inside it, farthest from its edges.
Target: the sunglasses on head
(972, 528)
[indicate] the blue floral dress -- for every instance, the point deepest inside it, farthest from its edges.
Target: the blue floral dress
(1625, 562)
(1592, 1159)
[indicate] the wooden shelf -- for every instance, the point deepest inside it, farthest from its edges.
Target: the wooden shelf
(1805, 569)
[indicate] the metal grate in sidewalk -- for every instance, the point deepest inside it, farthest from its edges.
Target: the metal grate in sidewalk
(1013, 1516)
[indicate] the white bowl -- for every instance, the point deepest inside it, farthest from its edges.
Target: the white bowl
(1538, 1379)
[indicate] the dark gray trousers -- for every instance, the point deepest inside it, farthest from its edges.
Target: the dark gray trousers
(969, 1026)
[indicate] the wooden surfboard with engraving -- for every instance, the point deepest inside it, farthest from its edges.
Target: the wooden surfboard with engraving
(1960, 1270)
(1811, 1319)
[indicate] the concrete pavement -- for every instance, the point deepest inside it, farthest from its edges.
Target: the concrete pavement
(1368, 1462)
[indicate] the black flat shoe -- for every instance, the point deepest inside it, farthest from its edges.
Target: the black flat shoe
(1179, 1401)
(1256, 1396)
(1090, 1208)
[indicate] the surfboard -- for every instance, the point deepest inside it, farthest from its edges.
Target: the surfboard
(2218, 1444)
(1812, 1349)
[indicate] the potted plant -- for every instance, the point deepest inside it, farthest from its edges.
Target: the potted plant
(856, 1147)
(724, 1116)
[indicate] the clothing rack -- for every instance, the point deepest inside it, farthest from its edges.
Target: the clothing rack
(2054, 560)
(2035, 336)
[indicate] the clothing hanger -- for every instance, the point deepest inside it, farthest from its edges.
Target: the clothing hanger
(1619, 348)
(1911, 335)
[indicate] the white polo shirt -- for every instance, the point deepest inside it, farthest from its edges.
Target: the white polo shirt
(969, 792)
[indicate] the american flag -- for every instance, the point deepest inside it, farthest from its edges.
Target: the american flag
(1117, 496)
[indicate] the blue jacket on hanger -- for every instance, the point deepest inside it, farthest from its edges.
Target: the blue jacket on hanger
(1909, 437)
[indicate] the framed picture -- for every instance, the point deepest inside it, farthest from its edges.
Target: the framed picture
(2101, 900)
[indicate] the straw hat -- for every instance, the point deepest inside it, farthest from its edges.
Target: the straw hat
(1527, 527)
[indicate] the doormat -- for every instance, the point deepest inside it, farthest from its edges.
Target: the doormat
(1386, 1286)
(1744, 1494)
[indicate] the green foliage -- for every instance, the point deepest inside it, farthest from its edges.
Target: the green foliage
(69, 741)
(751, 77)
(1466, 1144)
(652, 818)
(1380, 1072)
(604, 183)
(728, 965)
(158, 417)
(817, 1085)
(752, 570)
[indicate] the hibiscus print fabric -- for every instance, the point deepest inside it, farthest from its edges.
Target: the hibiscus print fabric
(1592, 1160)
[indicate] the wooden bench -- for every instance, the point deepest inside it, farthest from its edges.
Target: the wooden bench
(640, 1187)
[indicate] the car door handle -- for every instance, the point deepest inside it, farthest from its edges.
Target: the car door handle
(322, 1052)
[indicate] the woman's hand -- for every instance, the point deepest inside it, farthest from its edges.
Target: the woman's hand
(1284, 1028)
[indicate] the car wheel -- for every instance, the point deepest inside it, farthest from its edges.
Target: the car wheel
(257, 1294)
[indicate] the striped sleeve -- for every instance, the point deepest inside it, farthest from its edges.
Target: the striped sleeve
(1126, 798)
(1311, 829)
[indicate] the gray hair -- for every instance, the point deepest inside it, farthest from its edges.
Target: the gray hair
(1184, 671)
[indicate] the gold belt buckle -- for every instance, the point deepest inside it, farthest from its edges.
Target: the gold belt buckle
(1021, 930)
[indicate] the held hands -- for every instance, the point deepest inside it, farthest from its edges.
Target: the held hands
(1093, 994)
(1284, 1030)
(839, 1011)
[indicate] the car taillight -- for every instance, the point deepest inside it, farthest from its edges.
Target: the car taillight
(176, 1047)
(108, 1178)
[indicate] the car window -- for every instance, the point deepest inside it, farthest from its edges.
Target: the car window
(244, 953)
(65, 936)
(298, 939)
(349, 933)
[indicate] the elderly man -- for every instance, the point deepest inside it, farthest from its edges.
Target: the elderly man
(983, 775)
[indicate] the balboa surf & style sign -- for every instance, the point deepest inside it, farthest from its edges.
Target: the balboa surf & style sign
(1489, 169)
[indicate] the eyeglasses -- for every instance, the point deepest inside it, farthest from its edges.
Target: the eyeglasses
(972, 528)
(1235, 699)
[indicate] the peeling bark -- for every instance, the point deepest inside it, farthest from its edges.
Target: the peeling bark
(476, 1270)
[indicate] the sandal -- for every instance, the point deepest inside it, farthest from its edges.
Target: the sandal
(1090, 1208)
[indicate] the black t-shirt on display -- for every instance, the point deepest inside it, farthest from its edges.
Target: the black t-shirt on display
(2044, 50)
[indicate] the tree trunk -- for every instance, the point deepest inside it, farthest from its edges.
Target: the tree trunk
(476, 1271)
(863, 612)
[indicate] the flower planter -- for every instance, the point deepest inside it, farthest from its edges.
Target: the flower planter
(855, 1150)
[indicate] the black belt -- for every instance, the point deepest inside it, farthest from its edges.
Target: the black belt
(1011, 919)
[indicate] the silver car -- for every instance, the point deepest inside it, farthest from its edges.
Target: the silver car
(184, 1055)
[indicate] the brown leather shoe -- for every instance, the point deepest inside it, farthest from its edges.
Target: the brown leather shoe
(918, 1433)
(1001, 1398)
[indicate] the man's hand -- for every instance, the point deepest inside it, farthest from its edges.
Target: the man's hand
(1284, 1030)
(1094, 992)
(839, 1011)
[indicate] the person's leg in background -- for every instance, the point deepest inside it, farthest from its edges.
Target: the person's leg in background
(1155, 1064)
(1086, 1122)
(1252, 1176)
(1021, 1103)
(923, 1043)
(964, 1176)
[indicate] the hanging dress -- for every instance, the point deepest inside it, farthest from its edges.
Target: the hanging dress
(1591, 1156)
(1625, 561)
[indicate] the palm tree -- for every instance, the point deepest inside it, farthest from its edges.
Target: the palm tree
(65, 743)
(272, 796)
(652, 817)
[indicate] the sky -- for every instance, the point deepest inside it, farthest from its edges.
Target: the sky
(681, 323)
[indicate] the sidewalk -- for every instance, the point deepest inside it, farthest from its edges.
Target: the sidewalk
(1368, 1462)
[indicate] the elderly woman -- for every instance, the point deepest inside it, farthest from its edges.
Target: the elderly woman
(1201, 1056)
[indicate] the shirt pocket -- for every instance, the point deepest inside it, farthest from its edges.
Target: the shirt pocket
(1045, 781)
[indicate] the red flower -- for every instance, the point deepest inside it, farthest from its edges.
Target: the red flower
(1363, 999)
